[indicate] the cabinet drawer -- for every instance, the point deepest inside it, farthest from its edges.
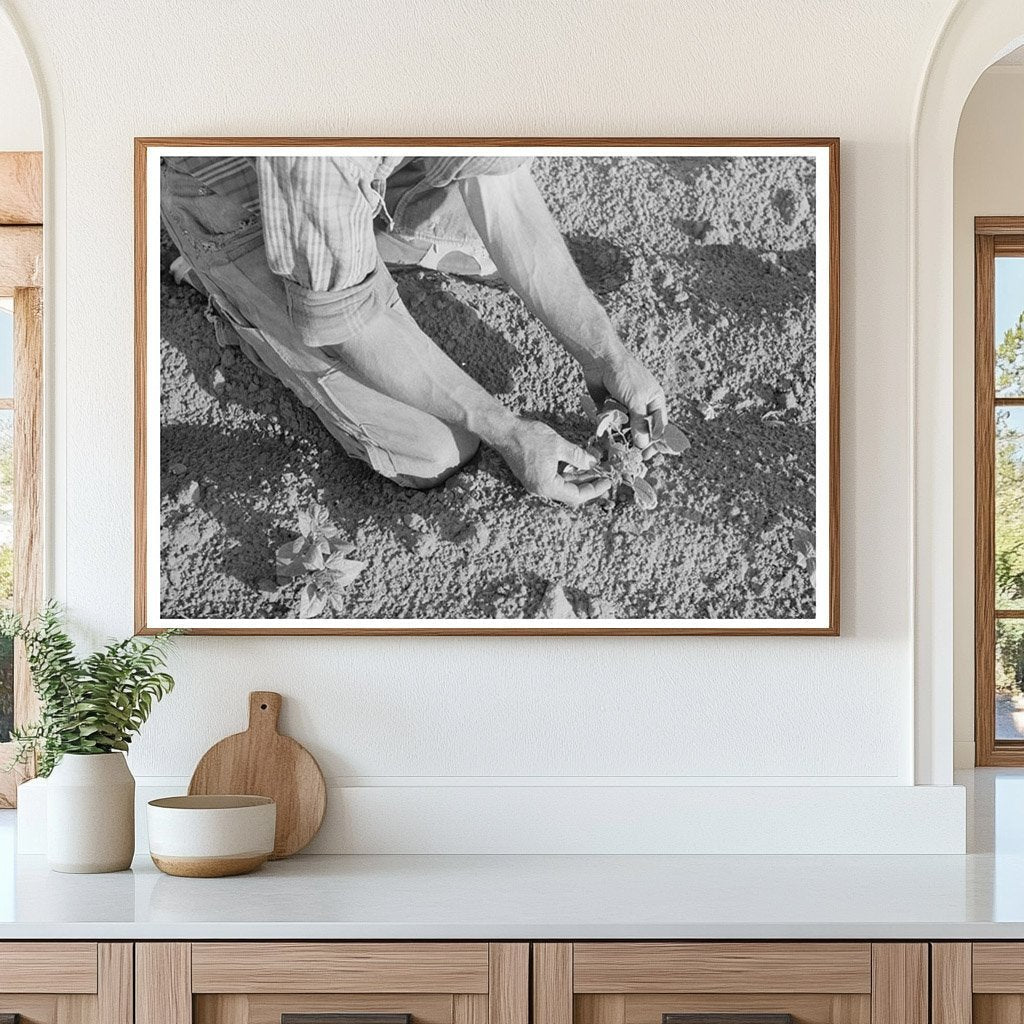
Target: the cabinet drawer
(66, 982)
(332, 983)
(750, 967)
(340, 967)
(730, 983)
(65, 967)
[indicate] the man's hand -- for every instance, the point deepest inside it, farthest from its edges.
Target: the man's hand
(623, 377)
(535, 453)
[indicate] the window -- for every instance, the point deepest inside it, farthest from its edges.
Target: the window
(999, 490)
(21, 364)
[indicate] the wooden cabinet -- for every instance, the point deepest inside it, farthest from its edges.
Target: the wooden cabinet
(752, 982)
(494, 983)
(980, 982)
(307, 982)
(66, 982)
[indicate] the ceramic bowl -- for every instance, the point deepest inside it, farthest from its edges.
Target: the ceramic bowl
(211, 836)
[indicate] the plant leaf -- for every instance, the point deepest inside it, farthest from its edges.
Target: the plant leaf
(644, 494)
(289, 558)
(673, 440)
(613, 416)
(312, 601)
(343, 571)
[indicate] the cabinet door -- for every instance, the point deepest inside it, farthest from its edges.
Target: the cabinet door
(332, 983)
(730, 983)
(65, 983)
(980, 982)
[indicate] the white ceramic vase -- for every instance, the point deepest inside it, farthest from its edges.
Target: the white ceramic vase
(90, 814)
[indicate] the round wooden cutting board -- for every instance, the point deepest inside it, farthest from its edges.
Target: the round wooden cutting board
(262, 762)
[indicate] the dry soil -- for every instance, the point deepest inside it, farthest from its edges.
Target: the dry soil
(706, 266)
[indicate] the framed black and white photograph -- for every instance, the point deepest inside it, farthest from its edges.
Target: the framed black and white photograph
(487, 386)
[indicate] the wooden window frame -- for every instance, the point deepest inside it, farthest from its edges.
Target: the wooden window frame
(993, 237)
(21, 278)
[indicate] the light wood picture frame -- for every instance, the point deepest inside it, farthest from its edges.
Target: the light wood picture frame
(753, 283)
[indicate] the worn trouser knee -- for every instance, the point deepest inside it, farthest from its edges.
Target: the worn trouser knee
(454, 448)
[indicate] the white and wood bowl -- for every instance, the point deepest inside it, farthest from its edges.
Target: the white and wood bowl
(211, 836)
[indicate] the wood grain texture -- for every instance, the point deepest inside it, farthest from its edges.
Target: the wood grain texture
(304, 967)
(599, 1009)
(65, 967)
(998, 967)
(899, 993)
(467, 1009)
(21, 258)
(115, 988)
(633, 967)
(262, 762)
(951, 983)
(508, 994)
(163, 983)
(225, 1009)
(139, 412)
(28, 484)
(21, 188)
(208, 867)
(269, 1008)
(984, 502)
(31, 1009)
(552, 983)
(727, 1018)
(806, 1008)
(831, 144)
(76, 1009)
(346, 1018)
(998, 1009)
(999, 226)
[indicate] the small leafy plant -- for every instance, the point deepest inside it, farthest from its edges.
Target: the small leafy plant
(320, 550)
(620, 461)
(90, 705)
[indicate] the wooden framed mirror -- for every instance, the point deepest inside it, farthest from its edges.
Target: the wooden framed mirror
(21, 369)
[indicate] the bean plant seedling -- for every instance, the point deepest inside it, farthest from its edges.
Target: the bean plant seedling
(619, 460)
(321, 551)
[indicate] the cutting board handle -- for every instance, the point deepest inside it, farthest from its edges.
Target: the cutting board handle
(264, 710)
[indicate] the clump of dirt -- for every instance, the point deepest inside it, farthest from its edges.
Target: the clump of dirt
(706, 267)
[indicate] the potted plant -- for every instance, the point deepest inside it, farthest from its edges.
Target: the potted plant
(89, 710)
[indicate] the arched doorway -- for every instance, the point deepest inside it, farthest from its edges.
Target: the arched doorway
(976, 34)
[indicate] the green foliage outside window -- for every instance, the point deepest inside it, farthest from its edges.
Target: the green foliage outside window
(1009, 511)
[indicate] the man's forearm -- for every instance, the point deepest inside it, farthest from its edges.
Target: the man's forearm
(528, 249)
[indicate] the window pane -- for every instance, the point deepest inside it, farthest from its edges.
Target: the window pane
(1009, 508)
(6, 566)
(1009, 325)
(6, 352)
(1009, 679)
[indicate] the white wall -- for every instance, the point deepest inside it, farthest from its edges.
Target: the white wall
(456, 712)
(21, 127)
(988, 180)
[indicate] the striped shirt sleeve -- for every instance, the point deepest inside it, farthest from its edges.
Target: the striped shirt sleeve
(318, 219)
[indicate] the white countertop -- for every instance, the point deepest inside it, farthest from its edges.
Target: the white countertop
(496, 897)
(977, 896)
